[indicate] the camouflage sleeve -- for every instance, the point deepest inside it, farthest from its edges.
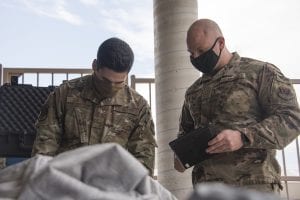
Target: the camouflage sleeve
(49, 124)
(141, 143)
(186, 123)
(281, 114)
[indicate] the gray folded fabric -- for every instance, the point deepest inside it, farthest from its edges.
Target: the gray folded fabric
(218, 191)
(103, 171)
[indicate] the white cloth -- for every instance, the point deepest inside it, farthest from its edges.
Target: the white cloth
(219, 191)
(103, 171)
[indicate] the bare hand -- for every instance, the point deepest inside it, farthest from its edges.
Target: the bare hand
(226, 141)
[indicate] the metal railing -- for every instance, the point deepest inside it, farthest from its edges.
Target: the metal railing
(148, 81)
(7, 73)
(291, 183)
(285, 178)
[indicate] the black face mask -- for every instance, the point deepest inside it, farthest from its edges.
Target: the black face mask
(207, 61)
(105, 88)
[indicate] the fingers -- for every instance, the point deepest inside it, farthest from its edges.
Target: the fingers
(216, 140)
(225, 141)
(217, 145)
(217, 148)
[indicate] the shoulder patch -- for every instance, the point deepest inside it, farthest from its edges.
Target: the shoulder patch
(285, 93)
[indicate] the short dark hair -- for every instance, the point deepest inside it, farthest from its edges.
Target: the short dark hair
(115, 54)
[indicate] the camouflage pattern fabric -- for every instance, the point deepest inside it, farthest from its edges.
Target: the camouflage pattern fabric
(266, 188)
(73, 116)
(255, 98)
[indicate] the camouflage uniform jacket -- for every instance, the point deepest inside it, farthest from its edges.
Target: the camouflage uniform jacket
(73, 116)
(250, 96)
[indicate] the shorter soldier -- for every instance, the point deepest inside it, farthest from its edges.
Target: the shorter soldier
(98, 108)
(250, 102)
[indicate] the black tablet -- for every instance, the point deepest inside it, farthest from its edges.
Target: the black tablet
(190, 148)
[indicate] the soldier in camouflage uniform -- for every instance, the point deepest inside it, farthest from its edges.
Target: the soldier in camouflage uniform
(251, 103)
(98, 108)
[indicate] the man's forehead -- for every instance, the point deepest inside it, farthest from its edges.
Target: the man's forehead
(112, 74)
(196, 40)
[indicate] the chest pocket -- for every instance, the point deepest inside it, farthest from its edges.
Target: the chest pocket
(120, 124)
(226, 83)
(195, 107)
(200, 103)
(76, 122)
(232, 96)
(214, 95)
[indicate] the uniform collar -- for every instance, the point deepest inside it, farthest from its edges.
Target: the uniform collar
(234, 59)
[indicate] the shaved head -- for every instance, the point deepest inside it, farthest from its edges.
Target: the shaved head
(206, 27)
(204, 35)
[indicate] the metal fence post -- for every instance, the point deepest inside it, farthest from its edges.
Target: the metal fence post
(1, 74)
(132, 81)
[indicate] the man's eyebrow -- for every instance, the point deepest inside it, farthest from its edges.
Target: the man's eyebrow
(115, 82)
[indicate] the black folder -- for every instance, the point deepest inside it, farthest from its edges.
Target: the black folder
(190, 148)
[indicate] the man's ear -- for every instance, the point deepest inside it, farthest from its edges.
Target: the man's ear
(222, 42)
(94, 65)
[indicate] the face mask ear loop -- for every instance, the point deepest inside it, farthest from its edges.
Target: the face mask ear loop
(220, 52)
(220, 49)
(214, 46)
(215, 43)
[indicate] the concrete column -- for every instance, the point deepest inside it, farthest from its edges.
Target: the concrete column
(173, 74)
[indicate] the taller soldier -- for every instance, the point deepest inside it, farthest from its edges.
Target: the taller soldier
(250, 102)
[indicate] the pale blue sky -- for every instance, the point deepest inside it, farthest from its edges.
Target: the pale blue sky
(67, 33)
(263, 29)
